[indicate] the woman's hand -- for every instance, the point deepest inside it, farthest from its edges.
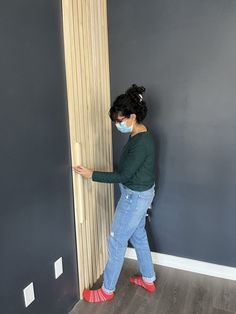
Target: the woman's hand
(85, 172)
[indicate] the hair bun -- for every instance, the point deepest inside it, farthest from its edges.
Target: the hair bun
(136, 93)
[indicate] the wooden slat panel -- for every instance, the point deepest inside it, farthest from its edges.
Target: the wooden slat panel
(87, 75)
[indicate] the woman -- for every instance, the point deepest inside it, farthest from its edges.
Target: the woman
(135, 176)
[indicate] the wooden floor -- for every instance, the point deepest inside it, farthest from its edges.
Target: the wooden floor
(177, 292)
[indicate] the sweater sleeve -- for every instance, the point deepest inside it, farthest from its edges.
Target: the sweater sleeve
(132, 163)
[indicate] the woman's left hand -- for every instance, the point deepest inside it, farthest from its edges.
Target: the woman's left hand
(85, 172)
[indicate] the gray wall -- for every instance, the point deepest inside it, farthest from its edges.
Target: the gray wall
(36, 200)
(184, 52)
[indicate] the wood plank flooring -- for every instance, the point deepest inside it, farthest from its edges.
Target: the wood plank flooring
(178, 292)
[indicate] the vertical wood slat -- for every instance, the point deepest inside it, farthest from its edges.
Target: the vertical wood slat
(103, 118)
(88, 91)
(95, 114)
(100, 139)
(92, 226)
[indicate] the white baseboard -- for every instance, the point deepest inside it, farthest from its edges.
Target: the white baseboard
(187, 264)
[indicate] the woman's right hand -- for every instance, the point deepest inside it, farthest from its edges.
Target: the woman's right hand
(85, 172)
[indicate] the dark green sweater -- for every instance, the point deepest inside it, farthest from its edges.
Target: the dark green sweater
(136, 166)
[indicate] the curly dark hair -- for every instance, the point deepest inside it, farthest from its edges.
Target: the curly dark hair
(128, 103)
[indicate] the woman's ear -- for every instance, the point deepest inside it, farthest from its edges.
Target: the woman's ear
(133, 116)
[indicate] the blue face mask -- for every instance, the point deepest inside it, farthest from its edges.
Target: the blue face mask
(122, 127)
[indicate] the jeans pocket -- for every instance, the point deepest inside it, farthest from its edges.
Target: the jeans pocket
(147, 195)
(145, 201)
(128, 197)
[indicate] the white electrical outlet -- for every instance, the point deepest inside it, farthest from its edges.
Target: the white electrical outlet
(29, 294)
(58, 267)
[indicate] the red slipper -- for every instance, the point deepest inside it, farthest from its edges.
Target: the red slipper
(98, 295)
(138, 280)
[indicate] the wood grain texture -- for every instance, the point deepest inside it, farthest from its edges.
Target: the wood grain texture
(178, 292)
(88, 90)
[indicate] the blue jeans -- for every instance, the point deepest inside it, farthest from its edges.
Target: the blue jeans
(129, 224)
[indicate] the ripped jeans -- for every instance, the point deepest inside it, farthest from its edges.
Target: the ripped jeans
(129, 224)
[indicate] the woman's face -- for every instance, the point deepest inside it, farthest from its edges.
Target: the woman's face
(128, 121)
